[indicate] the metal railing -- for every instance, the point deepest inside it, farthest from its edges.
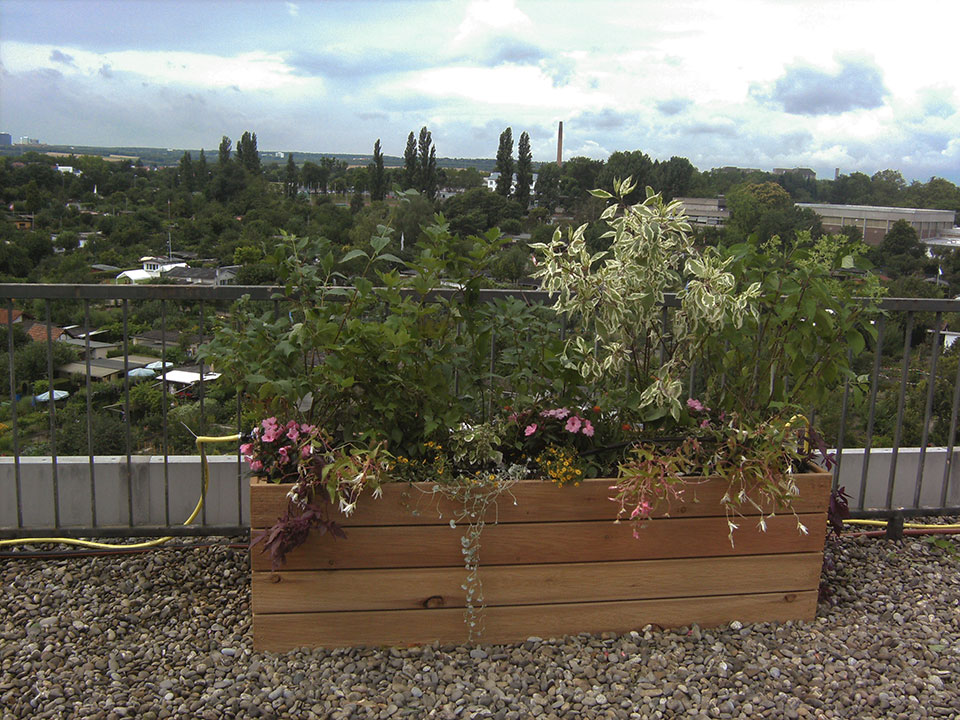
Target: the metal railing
(144, 495)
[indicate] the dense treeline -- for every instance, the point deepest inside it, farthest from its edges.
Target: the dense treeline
(225, 208)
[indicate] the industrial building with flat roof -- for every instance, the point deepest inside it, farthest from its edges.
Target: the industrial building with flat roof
(875, 222)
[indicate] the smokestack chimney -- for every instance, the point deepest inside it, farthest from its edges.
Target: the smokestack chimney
(836, 174)
(560, 145)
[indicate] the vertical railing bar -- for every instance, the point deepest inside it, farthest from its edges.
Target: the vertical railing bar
(663, 334)
(52, 411)
(203, 417)
(456, 371)
(928, 411)
(872, 411)
(901, 399)
(13, 414)
(239, 473)
(126, 410)
(843, 423)
(88, 386)
(493, 356)
(163, 411)
(948, 464)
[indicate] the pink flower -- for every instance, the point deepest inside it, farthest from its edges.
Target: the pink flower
(256, 465)
(270, 435)
(705, 423)
(306, 450)
(573, 424)
(246, 449)
(587, 428)
(293, 433)
(558, 413)
(530, 429)
(512, 417)
(695, 405)
(284, 453)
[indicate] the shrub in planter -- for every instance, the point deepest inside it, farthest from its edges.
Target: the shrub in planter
(683, 379)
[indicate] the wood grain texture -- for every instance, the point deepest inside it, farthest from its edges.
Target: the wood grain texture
(536, 501)
(409, 589)
(278, 633)
(519, 544)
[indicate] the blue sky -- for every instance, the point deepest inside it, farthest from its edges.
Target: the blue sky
(860, 85)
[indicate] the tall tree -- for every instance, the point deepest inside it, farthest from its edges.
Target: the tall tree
(291, 178)
(505, 163)
(410, 162)
(378, 180)
(427, 164)
(224, 155)
(186, 173)
(524, 171)
(201, 170)
(247, 154)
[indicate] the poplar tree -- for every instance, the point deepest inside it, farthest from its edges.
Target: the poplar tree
(524, 171)
(410, 162)
(505, 163)
(291, 180)
(378, 180)
(427, 165)
(224, 154)
(186, 171)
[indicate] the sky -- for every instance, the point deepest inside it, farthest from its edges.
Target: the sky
(859, 85)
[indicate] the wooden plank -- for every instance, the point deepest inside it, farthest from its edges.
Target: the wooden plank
(281, 632)
(405, 589)
(536, 501)
(518, 544)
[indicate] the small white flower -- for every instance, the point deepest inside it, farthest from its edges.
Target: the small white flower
(377, 493)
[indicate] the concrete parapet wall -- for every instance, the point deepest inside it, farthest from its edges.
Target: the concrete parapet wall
(228, 500)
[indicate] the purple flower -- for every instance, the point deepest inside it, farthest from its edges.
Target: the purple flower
(530, 429)
(695, 405)
(573, 424)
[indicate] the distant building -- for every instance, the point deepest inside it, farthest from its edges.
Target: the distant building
(875, 222)
(203, 276)
(5, 140)
(24, 140)
(491, 181)
(805, 173)
(153, 268)
(705, 212)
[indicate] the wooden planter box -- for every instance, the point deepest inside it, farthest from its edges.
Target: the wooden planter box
(553, 564)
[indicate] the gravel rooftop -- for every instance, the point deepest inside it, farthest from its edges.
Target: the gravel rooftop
(166, 634)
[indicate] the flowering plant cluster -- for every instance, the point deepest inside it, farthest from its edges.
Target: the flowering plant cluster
(322, 475)
(274, 450)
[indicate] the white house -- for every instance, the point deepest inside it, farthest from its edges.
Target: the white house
(153, 267)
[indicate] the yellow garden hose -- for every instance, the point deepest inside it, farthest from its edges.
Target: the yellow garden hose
(205, 473)
(906, 525)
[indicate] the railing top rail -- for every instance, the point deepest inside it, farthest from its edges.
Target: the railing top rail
(51, 291)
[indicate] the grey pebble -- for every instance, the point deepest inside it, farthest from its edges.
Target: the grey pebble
(166, 635)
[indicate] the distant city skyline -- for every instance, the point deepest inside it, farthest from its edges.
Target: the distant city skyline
(862, 85)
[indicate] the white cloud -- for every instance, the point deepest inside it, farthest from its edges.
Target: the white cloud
(293, 9)
(485, 17)
(250, 70)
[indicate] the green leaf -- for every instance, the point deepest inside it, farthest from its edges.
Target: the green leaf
(353, 254)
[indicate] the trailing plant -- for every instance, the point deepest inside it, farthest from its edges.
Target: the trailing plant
(476, 494)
